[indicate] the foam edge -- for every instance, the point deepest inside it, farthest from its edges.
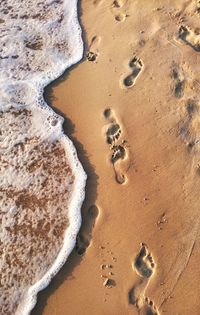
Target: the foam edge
(74, 215)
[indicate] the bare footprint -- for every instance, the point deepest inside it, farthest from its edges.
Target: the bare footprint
(190, 37)
(93, 52)
(144, 266)
(179, 80)
(117, 145)
(136, 66)
(85, 235)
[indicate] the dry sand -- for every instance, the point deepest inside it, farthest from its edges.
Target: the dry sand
(151, 46)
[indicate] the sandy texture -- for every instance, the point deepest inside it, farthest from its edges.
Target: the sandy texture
(141, 213)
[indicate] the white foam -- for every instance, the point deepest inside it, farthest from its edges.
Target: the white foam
(39, 41)
(29, 300)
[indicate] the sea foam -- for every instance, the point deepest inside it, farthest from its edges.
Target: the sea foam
(42, 183)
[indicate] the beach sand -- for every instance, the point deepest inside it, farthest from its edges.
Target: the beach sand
(132, 110)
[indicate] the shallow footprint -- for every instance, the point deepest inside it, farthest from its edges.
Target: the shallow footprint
(136, 65)
(85, 235)
(93, 52)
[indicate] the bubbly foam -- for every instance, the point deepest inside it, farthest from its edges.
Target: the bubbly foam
(41, 180)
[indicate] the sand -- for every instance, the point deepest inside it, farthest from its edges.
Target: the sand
(132, 111)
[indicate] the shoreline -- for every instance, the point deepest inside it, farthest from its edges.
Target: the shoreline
(149, 219)
(35, 151)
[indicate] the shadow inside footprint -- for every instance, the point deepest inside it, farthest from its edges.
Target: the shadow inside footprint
(149, 308)
(178, 91)
(190, 38)
(149, 311)
(116, 4)
(179, 82)
(110, 283)
(144, 263)
(85, 234)
(113, 133)
(191, 107)
(120, 17)
(119, 152)
(183, 33)
(131, 297)
(91, 56)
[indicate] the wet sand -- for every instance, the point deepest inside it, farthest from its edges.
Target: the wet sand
(132, 111)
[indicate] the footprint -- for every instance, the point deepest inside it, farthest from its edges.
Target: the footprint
(144, 266)
(93, 52)
(117, 145)
(85, 235)
(190, 37)
(179, 79)
(136, 66)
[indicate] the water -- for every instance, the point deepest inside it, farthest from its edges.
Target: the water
(41, 180)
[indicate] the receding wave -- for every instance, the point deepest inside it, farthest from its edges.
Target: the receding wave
(41, 180)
